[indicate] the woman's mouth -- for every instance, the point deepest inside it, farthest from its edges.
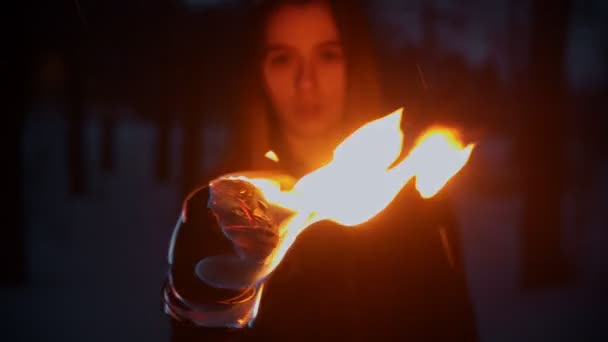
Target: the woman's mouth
(308, 111)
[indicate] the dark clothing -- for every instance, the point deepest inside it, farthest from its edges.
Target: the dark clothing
(389, 277)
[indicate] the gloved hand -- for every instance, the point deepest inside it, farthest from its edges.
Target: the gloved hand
(251, 224)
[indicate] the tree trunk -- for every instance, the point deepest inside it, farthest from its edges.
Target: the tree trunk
(191, 153)
(75, 107)
(543, 261)
(13, 242)
(107, 140)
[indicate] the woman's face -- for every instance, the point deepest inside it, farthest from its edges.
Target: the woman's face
(304, 69)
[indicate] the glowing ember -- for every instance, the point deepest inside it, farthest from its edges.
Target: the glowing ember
(363, 163)
(272, 156)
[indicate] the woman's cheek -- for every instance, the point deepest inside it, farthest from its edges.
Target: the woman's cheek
(333, 84)
(278, 86)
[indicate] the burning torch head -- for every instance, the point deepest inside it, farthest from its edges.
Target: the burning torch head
(244, 216)
(237, 202)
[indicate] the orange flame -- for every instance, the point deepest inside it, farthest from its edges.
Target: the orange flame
(272, 156)
(363, 164)
(439, 155)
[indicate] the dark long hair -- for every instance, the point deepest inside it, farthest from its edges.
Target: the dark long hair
(255, 119)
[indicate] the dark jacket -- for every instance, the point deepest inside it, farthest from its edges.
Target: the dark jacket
(394, 276)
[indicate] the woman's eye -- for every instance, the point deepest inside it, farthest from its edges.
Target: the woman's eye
(280, 59)
(331, 55)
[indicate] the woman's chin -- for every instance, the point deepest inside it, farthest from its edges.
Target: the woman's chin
(313, 129)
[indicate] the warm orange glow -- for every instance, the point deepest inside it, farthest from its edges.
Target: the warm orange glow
(272, 156)
(439, 155)
(361, 179)
(256, 305)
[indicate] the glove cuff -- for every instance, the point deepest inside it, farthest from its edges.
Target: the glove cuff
(235, 312)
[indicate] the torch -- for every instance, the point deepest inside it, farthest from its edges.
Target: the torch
(263, 214)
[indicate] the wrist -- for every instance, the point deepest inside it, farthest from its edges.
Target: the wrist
(230, 272)
(232, 312)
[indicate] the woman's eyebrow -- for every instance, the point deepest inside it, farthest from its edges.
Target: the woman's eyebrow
(275, 47)
(331, 43)
(279, 46)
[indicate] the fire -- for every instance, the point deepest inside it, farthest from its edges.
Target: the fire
(439, 154)
(272, 156)
(364, 163)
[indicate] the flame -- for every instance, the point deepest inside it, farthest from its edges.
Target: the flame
(439, 155)
(272, 156)
(256, 305)
(364, 163)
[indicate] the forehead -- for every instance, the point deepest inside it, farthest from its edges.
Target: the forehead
(301, 25)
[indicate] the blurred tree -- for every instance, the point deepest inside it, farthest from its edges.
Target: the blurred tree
(75, 112)
(210, 54)
(158, 63)
(63, 26)
(107, 71)
(17, 73)
(588, 76)
(429, 29)
(541, 146)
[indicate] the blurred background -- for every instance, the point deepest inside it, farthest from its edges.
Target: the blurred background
(118, 108)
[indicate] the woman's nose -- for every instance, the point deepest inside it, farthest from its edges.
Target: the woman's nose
(306, 77)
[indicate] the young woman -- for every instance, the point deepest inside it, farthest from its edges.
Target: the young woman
(313, 82)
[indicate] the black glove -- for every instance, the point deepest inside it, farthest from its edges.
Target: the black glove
(251, 223)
